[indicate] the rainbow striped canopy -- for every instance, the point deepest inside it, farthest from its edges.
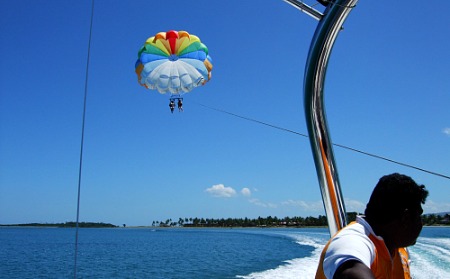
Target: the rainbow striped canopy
(173, 61)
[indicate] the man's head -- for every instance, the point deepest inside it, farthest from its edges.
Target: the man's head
(397, 200)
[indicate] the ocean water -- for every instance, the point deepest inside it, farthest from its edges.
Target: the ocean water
(189, 253)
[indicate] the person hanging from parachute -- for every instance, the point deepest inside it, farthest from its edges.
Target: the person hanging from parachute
(171, 105)
(180, 104)
(173, 62)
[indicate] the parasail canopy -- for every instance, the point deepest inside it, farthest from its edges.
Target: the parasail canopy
(173, 61)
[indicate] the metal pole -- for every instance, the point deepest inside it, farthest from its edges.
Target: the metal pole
(314, 79)
(306, 9)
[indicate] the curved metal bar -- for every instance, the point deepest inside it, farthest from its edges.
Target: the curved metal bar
(316, 66)
(305, 8)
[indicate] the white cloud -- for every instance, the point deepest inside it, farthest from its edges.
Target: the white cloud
(446, 131)
(221, 191)
(246, 192)
(435, 207)
(354, 206)
(304, 205)
(262, 204)
(317, 206)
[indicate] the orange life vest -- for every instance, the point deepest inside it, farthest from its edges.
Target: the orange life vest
(383, 267)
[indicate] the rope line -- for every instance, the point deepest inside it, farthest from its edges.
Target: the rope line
(82, 141)
(335, 144)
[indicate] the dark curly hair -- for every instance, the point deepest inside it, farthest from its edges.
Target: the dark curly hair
(392, 195)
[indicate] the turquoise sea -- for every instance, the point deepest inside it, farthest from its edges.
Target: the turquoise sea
(188, 253)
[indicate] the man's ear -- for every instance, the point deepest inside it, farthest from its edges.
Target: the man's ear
(405, 217)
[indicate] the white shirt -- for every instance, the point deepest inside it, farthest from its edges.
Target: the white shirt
(351, 243)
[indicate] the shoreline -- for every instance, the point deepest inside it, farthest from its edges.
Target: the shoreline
(47, 226)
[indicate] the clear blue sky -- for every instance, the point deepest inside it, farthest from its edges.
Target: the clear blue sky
(387, 92)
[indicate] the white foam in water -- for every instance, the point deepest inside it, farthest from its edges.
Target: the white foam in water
(296, 268)
(430, 259)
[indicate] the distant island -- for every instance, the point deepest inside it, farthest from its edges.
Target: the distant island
(64, 225)
(434, 219)
(437, 219)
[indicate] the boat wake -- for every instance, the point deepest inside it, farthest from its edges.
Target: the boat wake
(430, 259)
(296, 268)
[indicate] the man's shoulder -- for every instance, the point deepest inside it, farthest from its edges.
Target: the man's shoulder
(358, 227)
(352, 243)
(354, 237)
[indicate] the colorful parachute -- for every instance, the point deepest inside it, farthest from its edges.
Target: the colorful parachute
(174, 62)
